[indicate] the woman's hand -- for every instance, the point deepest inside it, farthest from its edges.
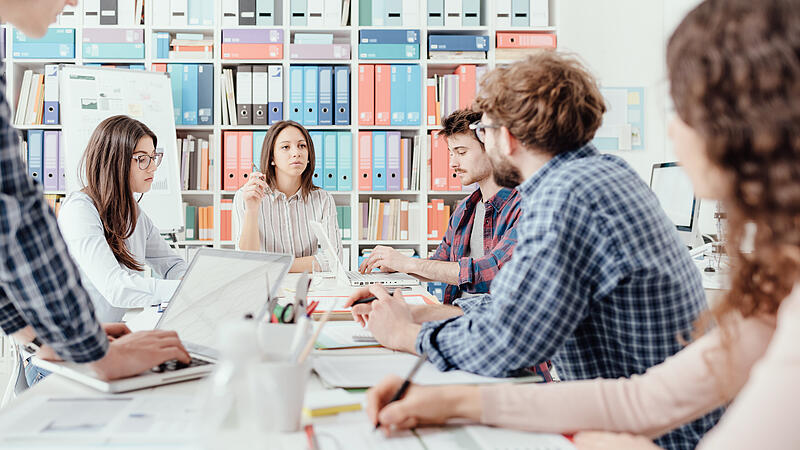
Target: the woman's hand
(254, 191)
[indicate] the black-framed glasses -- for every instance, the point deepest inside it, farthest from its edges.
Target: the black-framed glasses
(480, 129)
(144, 161)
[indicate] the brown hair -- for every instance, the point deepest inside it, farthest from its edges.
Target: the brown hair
(268, 151)
(458, 122)
(548, 101)
(734, 77)
(107, 163)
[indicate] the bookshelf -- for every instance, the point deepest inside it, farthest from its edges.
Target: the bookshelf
(15, 68)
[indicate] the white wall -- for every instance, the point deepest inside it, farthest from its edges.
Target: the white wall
(623, 42)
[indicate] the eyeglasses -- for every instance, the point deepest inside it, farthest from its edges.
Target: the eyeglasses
(480, 130)
(145, 160)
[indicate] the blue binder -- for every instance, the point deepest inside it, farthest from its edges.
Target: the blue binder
(296, 93)
(325, 108)
(258, 142)
(378, 160)
(344, 166)
(35, 154)
(275, 94)
(342, 96)
(310, 97)
(388, 37)
(189, 90)
(51, 94)
(175, 72)
(398, 94)
(520, 12)
(388, 51)
(205, 94)
(414, 94)
(329, 168)
(458, 43)
(317, 139)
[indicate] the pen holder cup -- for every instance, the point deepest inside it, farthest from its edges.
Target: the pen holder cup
(281, 389)
(275, 340)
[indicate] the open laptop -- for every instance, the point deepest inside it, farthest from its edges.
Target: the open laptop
(675, 193)
(219, 285)
(351, 277)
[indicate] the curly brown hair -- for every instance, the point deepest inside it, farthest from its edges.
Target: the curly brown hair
(735, 77)
(548, 101)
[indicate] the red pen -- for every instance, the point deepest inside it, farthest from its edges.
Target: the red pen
(312, 307)
(312, 438)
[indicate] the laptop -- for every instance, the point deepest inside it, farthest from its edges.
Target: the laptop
(354, 278)
(219, 285)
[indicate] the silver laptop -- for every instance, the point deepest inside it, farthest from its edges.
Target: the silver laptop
(219, 285)
(351, 277)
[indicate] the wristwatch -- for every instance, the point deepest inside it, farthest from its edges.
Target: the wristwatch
(33, 346)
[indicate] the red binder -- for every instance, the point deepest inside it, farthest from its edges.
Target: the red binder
(230, 161)
(366, 94)
(439, 162)
(364, 161)
(383, 94)
(245, 156)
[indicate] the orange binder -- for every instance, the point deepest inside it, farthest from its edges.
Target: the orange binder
(159, 67)
(226, 217)
(404, 220)
(445, 219)
(439, 162)
(230, 161)
(430, 220)
(525, 40)
(364, 161)
(435, 213)
(210, 223)
(466, 85)
(202, 227)
(383, 94)
(245, 156)
(430, 108)
(366, 94)
(252, 51)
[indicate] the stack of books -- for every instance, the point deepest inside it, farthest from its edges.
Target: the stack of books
(388, 44)
(389, 220)
(184, 46)
(38, 98)
(252, 43)
(318, 46)
(113, 43)
(512, 46)
(199, 223)
(58, 43)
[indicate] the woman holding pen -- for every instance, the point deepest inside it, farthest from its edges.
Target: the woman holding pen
(272, 210)
(734, 71)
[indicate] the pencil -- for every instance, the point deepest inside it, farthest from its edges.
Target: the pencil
(404, 387)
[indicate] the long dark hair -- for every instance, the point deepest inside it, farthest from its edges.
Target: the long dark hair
(268, 152)
(734, 69)
(107, 164)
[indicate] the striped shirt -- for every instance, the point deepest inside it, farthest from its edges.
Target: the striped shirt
(283, 222)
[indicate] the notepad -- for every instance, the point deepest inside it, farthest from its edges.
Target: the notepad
(332, 401)
(362, 436)
(361, 371)
(339, 335)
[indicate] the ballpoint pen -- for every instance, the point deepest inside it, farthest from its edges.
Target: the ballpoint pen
(404, 387)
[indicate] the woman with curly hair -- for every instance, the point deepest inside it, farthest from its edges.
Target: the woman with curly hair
(734, 68)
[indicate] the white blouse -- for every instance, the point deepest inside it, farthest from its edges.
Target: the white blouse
(283, 222)
(113, 287)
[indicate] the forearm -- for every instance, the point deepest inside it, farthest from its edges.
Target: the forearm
(249, 239)
(429, 313)
(443, 271)
(302, 264)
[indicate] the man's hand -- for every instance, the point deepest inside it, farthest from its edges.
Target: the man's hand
(134, 353)
(387, 259)
(389, 318)
(422, 405)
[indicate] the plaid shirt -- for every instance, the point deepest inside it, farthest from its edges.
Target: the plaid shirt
(600, 284)
(39, 284)
(499, 238)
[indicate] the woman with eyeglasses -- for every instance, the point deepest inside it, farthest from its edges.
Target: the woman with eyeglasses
(106, 232)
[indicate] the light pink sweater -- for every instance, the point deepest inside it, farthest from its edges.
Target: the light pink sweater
(763, 372)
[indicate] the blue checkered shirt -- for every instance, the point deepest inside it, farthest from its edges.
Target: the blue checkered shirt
(599, 283)
(39, 284)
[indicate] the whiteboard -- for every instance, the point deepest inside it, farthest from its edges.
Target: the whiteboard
(88, 95)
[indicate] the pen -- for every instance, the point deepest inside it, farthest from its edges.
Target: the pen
(404, 387)
(312, 438)
(363, 301)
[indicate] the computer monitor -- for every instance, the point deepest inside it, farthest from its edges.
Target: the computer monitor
(674, 191)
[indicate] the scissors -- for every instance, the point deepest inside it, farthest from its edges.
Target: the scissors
(289, 314)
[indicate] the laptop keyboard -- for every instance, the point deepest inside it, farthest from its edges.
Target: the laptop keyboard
(170, 366)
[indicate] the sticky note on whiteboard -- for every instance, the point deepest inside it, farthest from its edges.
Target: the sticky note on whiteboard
(633, 98)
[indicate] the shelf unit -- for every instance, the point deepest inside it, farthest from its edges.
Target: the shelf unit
(16, 66)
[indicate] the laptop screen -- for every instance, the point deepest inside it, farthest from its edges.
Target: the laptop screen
(221, 285)
(674, 191)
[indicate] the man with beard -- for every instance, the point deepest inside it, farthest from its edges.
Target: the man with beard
(599, 282)
(481, 235)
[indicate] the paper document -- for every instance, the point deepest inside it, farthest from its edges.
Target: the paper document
(67, 419)
(488, 438)
(362, 435)
(336, 302)
(337, 335)
(360, 371)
